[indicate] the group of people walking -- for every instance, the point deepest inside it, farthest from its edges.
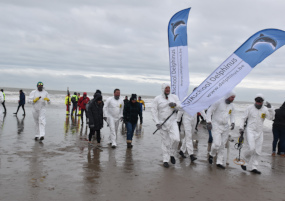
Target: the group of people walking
(167, 114)
(21, 102)
(114, 110)
(220, 119)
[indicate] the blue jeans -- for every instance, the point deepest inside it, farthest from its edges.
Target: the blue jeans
(278, 134)
(130, 130)
(210, 140)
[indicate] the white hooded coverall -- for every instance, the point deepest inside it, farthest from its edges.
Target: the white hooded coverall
(188, 125)
(113, 110)
(254, 132)
(39, 110)
(219, 114)
(169, 131)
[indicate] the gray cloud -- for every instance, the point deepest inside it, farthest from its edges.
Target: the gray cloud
(62, 42)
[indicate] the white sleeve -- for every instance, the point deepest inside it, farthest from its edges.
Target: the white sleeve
(122, 108)
(154, 111)
(210, 112)
(179, 115)
(31, 97)
(1, 97)
(48, 98)
(270, 113)
(178, 103)
(232, 115)
(105, 108)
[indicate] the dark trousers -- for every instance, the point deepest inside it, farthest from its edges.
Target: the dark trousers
(278, 134)
(198, 120)
(98, 135)
(82, 112)
(4, 106)
(23, 106)
(74, 108)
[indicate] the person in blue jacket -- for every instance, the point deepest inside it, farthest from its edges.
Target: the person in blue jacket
(22, 102)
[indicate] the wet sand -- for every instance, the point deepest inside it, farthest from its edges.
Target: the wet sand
(64, 168)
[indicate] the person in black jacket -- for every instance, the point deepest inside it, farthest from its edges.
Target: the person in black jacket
(22, 102)
(95, 115)
(278, 129)
(131, 112)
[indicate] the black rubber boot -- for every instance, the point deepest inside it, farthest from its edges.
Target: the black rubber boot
(192, 158)
(165, 164)
(42, 138)
(221, 166)
(172, 159)
(129, 145)
(255, 171)
(182, 154)
(243, 167)
(210, 159)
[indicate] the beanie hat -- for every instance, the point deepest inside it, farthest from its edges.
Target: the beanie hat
(133, 97)
(98, 91)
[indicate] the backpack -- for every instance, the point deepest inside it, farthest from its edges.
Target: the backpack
(73, 99)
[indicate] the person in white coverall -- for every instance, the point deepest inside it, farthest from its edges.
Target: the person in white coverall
(113, 114)
(163, 106)
(188, 125)
(254, 117)
(218, 116)
(39, 98)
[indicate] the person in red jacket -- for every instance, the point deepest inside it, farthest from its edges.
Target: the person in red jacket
(82, 102)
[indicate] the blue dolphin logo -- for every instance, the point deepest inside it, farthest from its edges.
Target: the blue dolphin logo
(175, 25)
(262, 39)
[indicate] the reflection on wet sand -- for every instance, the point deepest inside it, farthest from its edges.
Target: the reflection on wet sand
(2, 119)
(36, 174)
(74, 125)
(123, 129)
(129, 163)
(20, 124)
(66, 125)
(83, 134)
(92, 170)
(139, 130)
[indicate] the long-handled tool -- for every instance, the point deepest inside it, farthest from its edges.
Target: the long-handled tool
(174, 111)
(238, 146)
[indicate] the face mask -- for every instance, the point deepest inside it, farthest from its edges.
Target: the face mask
(117, 97)
(257, 106)
(40, 88)
(228, 101)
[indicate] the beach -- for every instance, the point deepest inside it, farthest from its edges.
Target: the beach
(63, 167)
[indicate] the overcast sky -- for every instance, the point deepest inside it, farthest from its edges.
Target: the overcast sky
(89, 44)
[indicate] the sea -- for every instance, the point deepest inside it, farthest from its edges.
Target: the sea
(58, 99)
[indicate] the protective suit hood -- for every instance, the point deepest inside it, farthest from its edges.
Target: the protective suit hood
(259, 95)
(229, 94)
(163, 86)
